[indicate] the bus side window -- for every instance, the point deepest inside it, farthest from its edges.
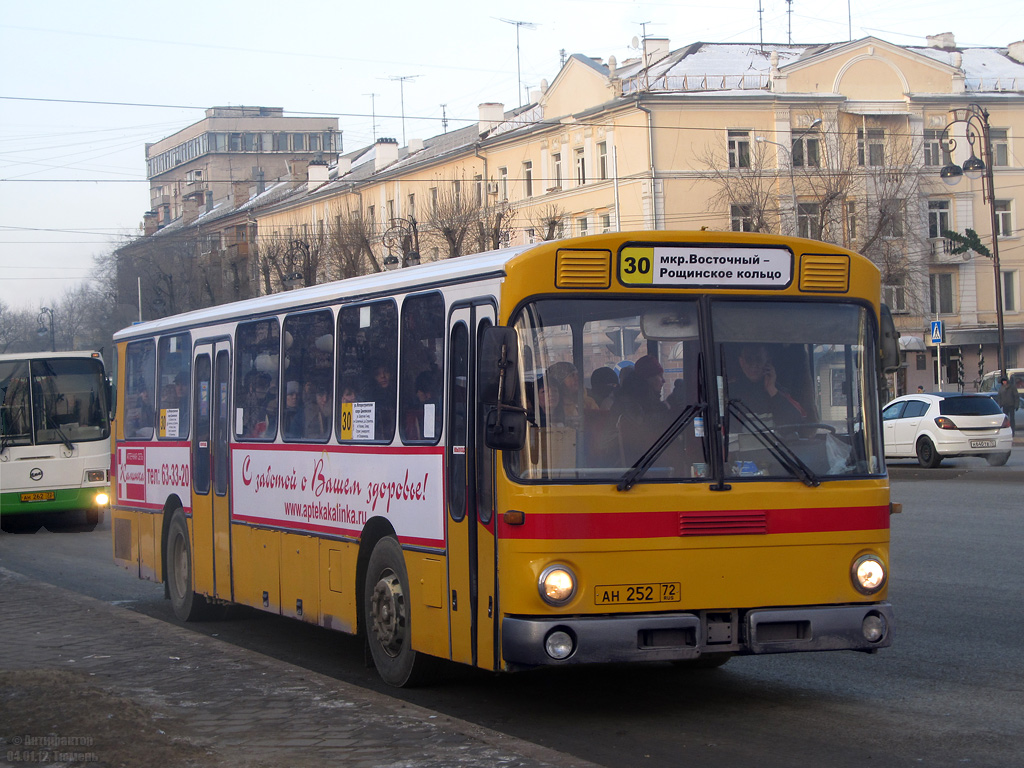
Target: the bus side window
(257, 356)
(422, 357)
(309, 376)
(140, 381)
(367, 367)
(174, 355)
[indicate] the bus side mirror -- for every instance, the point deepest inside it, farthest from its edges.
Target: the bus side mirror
(889, 343)
(499, 364)
(505, 423)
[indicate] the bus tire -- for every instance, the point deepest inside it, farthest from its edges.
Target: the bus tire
(387, 614)
(927, 456)
(704, 661)
(187, 605)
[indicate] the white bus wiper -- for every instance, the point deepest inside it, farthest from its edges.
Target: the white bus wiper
(60, 433)
(634, 473)
(776, 446)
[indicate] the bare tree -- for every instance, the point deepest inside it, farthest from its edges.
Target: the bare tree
(495, 226)
(548, 221)
(451, 216)
(748, 191)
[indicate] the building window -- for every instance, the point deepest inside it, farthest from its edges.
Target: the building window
(528, 179)
(234, 142)
(940, 293)
(503, 183)
(851, 220)
(808, 220)
(871, 147)
(938, 218)
(1009, 290)
(1004, 219)
(936, 153)
(581, 166)
(411, 208)
(999, 139)
(891, 213)
(281, 142)
(433, 199)
(478, 185)
(742, 218)
(895, 297)
(602, 159)
(298, 142)
(371, 224)
(739, 149)
(807, 151)
(606, 222)
(582, 225)
(556, 170)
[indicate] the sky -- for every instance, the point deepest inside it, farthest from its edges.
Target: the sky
(87, 85)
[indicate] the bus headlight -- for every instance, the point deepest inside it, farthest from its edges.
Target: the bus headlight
(102, 499)
(873, 627)
(557, 584)
(868, 574)
(559, 644)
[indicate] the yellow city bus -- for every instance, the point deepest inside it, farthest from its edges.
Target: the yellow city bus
(630, 447)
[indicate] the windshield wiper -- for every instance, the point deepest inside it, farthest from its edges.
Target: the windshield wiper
(60, 432)
(776, 446)
(634, 473)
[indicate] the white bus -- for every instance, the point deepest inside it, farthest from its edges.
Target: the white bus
(54, 440)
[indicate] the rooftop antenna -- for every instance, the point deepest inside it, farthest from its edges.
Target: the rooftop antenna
(519, 72)
(373, 114)
(760, 23)
(789, 20)
(444, 119)
(401, 95)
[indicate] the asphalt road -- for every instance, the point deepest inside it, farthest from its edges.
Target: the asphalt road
(950, 692)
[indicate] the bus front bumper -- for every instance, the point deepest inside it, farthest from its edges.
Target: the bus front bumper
(684, 636)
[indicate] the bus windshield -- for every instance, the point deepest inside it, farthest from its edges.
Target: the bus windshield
(688, 389)
(52, 401)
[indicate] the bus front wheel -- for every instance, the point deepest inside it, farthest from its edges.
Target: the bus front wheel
(387, 612)
(187, 605)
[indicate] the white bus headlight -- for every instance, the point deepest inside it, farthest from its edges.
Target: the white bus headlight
(868, 574)
(102, 499)
(557, 584)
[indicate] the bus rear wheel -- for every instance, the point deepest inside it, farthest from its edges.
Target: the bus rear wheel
(187, 605)
(387, 617)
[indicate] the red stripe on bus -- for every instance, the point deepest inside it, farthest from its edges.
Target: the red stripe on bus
(666, 524)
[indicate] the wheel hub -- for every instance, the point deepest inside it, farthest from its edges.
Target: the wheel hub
(388, 612)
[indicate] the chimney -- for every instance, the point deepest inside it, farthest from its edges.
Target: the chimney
(194, 202)
(318, 172)
(257, 176)
(344, 166)
(492, 114)
(655, 49)
(1016, 51)
(943, 42)
(150, 221)
(300, 170)
(415, 145)
(386, 153)
(239, 193)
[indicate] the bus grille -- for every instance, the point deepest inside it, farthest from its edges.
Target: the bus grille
(583, 269)
(723, 523)
(825, 272)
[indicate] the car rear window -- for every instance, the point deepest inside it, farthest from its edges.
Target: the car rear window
(968, 406)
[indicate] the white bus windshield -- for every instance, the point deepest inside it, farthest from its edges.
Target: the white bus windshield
(52, 400)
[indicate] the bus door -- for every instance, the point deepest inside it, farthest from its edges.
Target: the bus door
(211, 394)
(472, 558)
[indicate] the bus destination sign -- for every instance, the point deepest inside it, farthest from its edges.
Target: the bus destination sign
(703, 266)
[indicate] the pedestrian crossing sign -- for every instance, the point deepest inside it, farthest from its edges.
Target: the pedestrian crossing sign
(937, 332)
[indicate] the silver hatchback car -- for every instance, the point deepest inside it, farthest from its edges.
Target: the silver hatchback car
(943, 425)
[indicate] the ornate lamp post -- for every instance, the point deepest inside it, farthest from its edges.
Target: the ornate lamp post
(975, 118)
(42, 328)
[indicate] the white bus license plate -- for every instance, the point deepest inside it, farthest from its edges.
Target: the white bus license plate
(983, 443)
(39, 496)
(626, 594)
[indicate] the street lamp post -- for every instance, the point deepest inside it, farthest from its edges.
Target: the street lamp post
(975, 118)
(42, 329)
(792, 179)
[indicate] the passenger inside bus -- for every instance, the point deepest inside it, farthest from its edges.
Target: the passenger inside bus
(755, 382)
(639, 413)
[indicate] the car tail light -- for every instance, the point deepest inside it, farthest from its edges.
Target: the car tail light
(1006, 422)
(943, 422)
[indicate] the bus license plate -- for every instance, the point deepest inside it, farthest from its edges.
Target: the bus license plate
(627, 594)
(39, 496)
(983, 443)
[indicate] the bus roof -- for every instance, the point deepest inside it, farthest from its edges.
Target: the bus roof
(50, 355)
(417, 277)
